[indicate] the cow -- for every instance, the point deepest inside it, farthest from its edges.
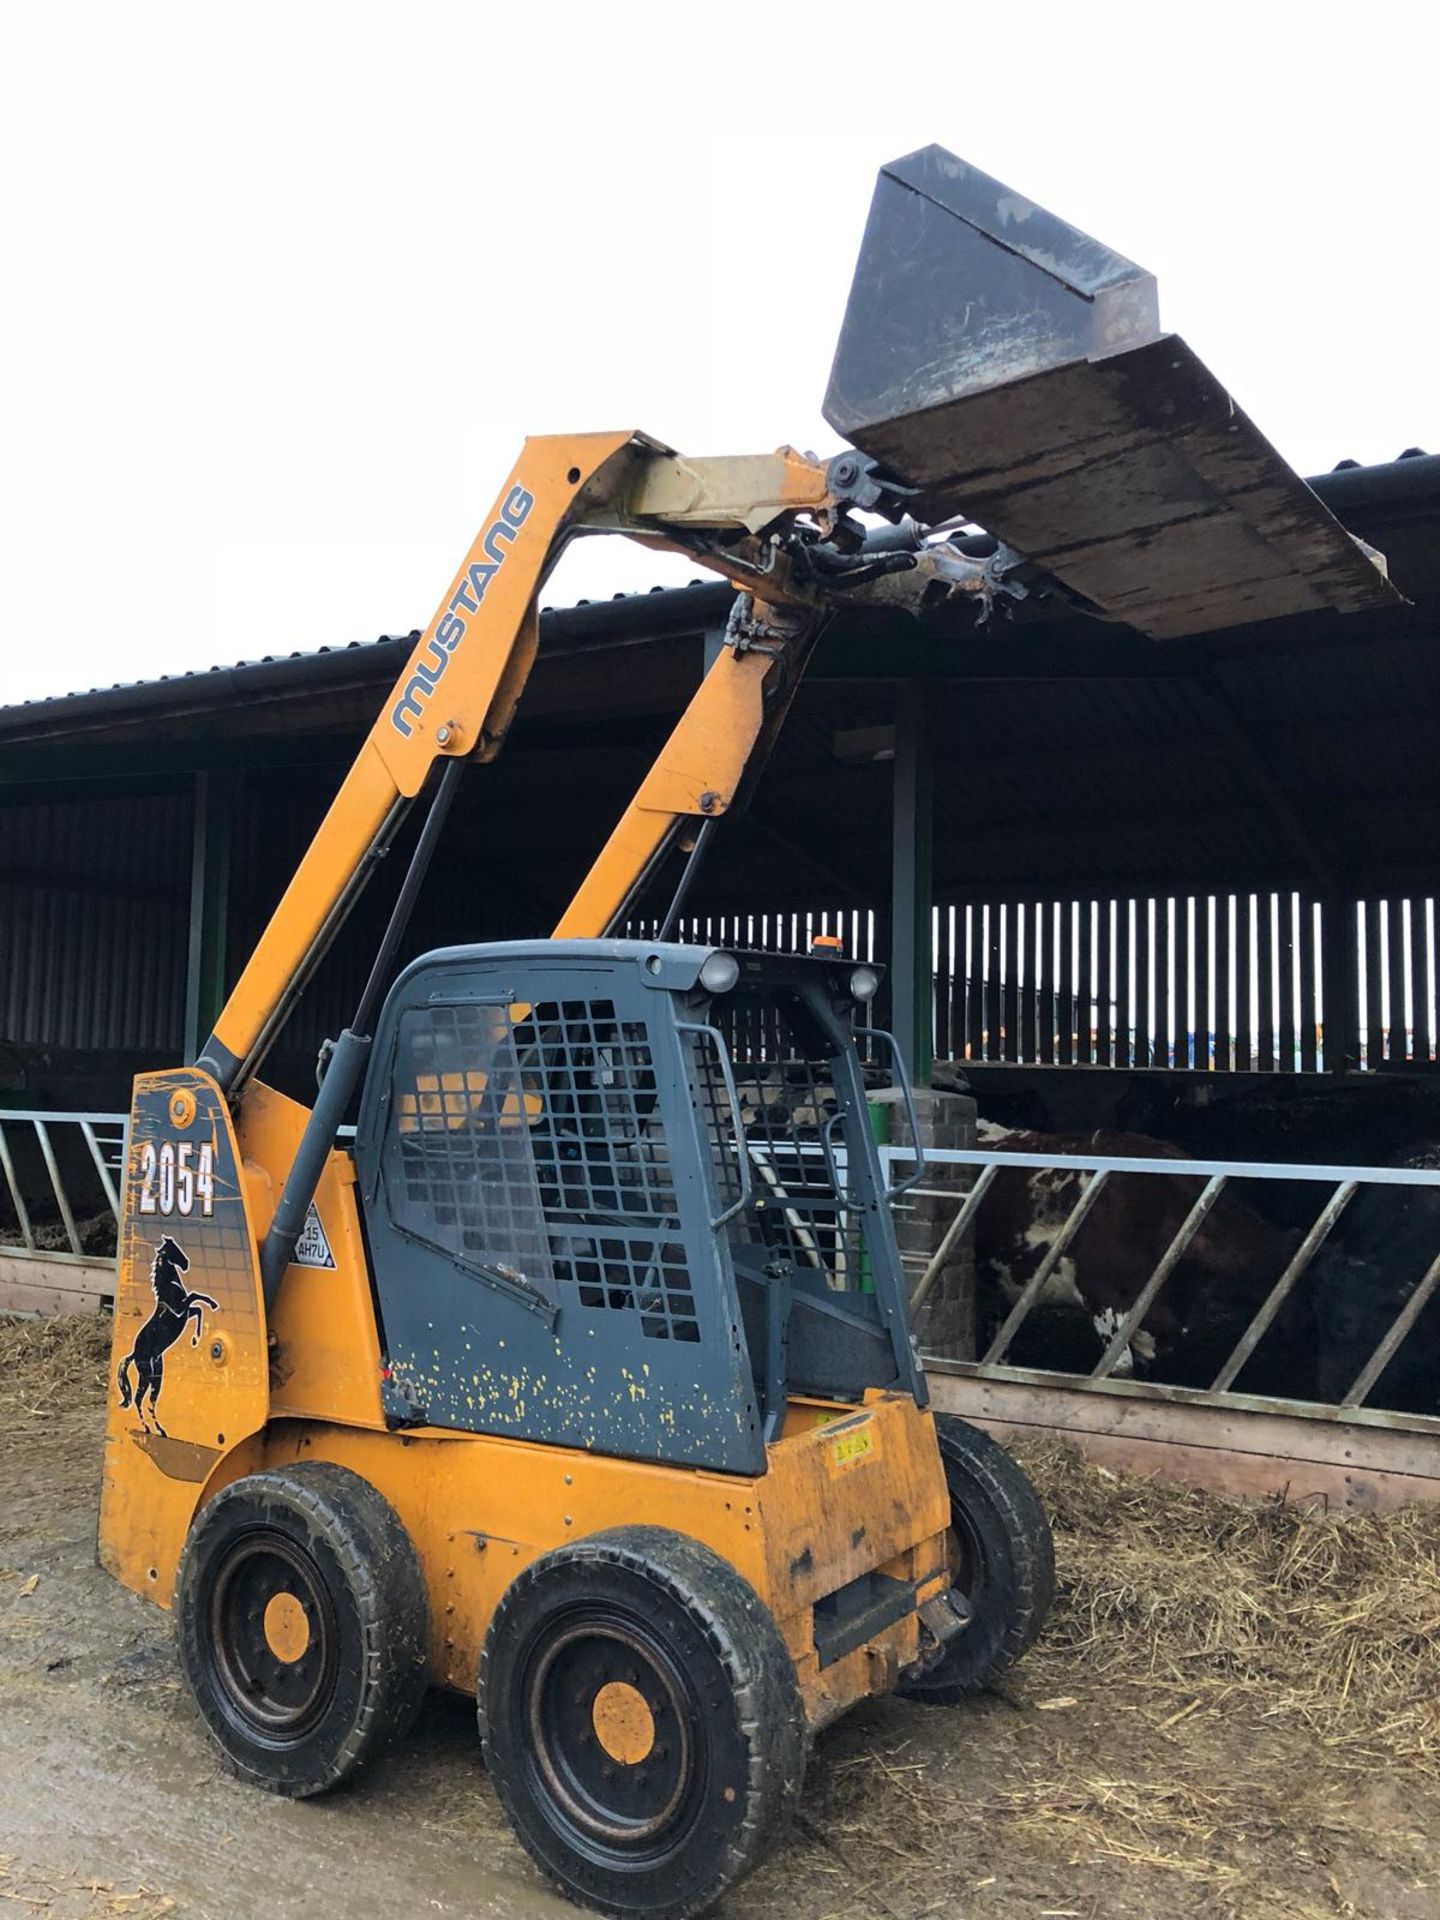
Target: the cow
(1193, 1323)
(1379, 1251)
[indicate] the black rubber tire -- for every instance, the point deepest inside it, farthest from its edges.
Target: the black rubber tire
(325, 1536)
(1005, 1564)
(729, 1708)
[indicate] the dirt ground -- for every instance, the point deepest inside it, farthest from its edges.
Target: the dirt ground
(1167, 1749)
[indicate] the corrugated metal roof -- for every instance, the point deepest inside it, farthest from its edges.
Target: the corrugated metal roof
(203, 673)
(1354, 492)
(365, 654)
(1071, 754)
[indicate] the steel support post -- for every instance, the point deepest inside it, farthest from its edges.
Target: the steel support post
(1339, 983)
(912, 959)
(205, 980)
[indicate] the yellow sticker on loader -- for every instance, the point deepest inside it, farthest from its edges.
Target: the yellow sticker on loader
(849, 1447)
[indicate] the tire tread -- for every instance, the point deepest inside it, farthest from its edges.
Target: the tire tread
(742, 1634)
(1004, 1502)
(377, 1560)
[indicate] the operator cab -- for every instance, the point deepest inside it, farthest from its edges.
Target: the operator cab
(626, 1196)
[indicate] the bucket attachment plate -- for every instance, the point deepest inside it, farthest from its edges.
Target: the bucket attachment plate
(1013, 369)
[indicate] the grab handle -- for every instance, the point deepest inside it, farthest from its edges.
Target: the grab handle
(732, 1094)
(832, 1164)
(899, 1077)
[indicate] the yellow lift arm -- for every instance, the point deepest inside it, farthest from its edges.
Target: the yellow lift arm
(458, 692)
(778, 526)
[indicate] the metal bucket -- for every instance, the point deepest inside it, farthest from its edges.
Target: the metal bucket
(1013, 370)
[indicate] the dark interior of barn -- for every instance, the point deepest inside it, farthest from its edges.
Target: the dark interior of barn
(1135, 895)
(1037, 765)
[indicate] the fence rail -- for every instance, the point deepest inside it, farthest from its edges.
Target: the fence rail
(1343, 1184)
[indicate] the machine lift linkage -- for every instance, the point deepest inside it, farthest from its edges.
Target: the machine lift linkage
(583, 1380)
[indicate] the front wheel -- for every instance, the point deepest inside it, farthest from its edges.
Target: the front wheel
(1003, 1561)
(302, 1621)
(641, 1721)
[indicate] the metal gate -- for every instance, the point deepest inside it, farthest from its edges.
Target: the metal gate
(1335, 1189)
(60, 1181)
(1344, 1451)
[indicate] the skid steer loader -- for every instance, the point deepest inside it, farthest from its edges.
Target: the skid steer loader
(583, 1381)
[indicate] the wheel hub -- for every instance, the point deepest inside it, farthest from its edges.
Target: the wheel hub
(967, 1558)
(624, 1724)
(287, 1627)
(610, 1735)
(273, 1640)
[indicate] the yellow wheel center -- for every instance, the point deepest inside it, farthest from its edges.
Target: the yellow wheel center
(624, 1725)
(287, 1631)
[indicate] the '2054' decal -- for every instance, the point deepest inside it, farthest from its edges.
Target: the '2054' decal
(173, 1178)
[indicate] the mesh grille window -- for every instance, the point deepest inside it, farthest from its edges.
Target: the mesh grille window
(461, 1142)
(598, 1142)
(627, 1274)
(786, 1104)
(535, 1146)
(604, 1167)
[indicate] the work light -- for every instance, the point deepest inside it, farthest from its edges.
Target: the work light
(719, 972)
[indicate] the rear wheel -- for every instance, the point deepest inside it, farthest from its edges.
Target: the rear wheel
(1003, 1561)
(301, 1615)
(641, 1721)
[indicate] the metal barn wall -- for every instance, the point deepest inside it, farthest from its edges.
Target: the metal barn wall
(94, 912)
(94, 897)
(1209, 982)
(1222, 983)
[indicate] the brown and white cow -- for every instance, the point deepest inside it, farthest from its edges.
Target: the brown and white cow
(1199, 1312)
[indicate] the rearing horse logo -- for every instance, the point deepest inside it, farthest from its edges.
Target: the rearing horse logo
(175, 1306)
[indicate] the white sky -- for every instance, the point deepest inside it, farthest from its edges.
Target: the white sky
(284, 286)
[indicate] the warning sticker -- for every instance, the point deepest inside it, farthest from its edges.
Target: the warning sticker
(850, 1447)
(312, 1249)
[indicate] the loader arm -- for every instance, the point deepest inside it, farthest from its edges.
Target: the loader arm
(458, 691)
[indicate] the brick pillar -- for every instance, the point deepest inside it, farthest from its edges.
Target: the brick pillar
(945, 1324)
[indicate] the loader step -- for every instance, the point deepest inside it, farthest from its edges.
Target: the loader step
(856, 1612)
